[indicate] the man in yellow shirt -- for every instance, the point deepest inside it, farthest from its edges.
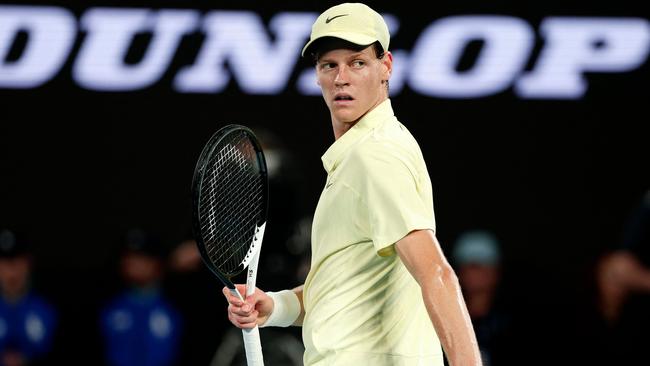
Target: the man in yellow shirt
(380, 290)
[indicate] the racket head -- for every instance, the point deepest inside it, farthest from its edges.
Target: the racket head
(229, 200)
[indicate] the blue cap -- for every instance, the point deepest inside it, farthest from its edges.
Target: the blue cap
(478, 247)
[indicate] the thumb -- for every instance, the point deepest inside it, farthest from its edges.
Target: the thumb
(241, 288)
(247, 307)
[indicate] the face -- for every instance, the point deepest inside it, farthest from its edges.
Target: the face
(14, 276)
(140, 269)
(478, 278)
(351, 82)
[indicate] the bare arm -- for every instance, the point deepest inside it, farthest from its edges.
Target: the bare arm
(257, 309)
(623, 269)
(619, 274)
(421, 254)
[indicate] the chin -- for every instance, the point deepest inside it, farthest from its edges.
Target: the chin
(347, 117)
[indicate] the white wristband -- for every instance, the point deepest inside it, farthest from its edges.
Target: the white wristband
(286, 309)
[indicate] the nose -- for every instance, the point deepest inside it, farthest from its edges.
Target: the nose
(341, 76)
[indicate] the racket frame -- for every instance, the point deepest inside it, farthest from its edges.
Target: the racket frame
(251, 337)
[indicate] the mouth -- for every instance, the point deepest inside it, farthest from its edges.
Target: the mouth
(342, 98)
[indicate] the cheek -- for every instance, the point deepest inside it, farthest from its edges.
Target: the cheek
(322, 80)
(379, 76)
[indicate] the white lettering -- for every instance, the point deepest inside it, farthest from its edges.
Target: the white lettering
(579, 45)
(507, 44)
(50, 35)
(100, 64)
(240, 51)
(239, 40)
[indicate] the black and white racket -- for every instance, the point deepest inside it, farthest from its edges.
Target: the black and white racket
(229, 204)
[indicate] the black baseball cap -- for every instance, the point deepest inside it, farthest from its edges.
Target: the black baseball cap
(140, 241)
(10, 246)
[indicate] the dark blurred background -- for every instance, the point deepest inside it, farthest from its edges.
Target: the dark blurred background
(555, 178)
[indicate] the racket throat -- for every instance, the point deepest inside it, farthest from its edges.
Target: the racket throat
(256, 246)
(256, 243)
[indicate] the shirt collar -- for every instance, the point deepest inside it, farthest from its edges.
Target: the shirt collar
(367, 123)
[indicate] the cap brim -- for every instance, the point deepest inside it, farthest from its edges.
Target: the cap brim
(356, 38)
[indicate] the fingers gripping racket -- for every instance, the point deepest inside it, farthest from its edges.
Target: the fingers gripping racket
(229, 204)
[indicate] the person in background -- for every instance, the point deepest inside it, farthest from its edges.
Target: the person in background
(477, 258)
(27, 320)
(623, 274)
(616, 331)
(194, 290)
(140, 326)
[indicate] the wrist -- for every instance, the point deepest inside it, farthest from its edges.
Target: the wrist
(286, 309)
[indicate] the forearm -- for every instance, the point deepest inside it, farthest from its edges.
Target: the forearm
(444, 302)
(421, 254)
(623, 271)
(637, 277)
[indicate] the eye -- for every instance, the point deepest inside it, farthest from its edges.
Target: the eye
(358, 63)
(327, 65)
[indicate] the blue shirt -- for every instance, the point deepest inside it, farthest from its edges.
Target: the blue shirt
(27, 326)
(140, 329)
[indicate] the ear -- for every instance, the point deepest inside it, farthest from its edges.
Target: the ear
(387, 62)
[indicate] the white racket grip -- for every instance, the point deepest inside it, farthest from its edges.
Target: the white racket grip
(252, 343)
(253, 347)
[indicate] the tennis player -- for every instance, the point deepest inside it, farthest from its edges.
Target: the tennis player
(380, 290)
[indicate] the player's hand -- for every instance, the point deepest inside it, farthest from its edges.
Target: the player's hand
(246, 315)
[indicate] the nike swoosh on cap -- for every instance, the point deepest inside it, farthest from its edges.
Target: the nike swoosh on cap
(334, 17)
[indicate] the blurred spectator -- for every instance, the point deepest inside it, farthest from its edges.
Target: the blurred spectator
(140, 326)
(299, 245)
(617, 334)
(197, 293)
(477, 258)
(277, 263)
(27, 321)
(185, 257)
(625, 271)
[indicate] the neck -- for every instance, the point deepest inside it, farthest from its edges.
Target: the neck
(14, 297)
(341, 128)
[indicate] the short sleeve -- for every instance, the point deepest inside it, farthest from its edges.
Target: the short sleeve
(395, 200)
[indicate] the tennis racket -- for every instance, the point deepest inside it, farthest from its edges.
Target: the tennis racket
(229, 204)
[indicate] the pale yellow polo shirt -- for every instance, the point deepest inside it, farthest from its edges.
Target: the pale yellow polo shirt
(362, 306)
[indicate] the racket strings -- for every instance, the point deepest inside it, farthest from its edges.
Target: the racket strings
(227, 232)
(231, 201)
(224, 177)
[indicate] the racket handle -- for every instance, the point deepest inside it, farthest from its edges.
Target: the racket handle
(253, 347)
(252, 343)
